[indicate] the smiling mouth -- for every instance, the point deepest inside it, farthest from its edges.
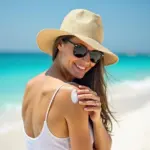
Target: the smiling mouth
(81, 68)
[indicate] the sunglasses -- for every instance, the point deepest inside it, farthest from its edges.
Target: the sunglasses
(81, 51)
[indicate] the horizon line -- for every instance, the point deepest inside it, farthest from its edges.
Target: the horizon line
(40, 52)
(36, 50)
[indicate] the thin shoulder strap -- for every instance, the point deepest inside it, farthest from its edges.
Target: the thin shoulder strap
(52, 99)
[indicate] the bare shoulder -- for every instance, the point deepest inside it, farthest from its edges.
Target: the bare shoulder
(35, 80)
(33, 86)
(64, 95)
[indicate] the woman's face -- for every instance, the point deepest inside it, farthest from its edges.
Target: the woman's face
(77, 67)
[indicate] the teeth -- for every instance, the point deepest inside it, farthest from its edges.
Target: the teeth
(80, 67)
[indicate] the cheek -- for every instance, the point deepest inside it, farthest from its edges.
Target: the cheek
(67, 58)
(72, 60)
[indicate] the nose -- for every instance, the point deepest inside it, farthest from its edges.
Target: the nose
(87, 57)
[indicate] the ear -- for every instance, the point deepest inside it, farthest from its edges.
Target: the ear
(60, 46)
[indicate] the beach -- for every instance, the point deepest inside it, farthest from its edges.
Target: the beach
(128, 96)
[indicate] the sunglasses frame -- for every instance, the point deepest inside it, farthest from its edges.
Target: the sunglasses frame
(87, 51)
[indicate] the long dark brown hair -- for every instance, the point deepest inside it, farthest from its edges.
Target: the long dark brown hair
(94, 79)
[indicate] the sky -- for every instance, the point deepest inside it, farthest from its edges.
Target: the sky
(126, 22)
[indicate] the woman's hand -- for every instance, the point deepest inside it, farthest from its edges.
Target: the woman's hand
(91, 101)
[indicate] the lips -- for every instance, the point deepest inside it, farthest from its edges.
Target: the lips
(80, 68)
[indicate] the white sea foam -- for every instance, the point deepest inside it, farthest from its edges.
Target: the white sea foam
(129, 99)
(129, 95)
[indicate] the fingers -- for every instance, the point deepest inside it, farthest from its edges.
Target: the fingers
(85, 87)
(85, 90)
(90, 103)
(92, 108)
(88, 96)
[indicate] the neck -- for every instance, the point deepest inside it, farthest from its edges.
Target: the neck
(59, 72)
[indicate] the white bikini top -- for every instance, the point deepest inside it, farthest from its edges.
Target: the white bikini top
(46, 140)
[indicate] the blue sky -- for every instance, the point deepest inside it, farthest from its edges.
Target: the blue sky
(126, 22)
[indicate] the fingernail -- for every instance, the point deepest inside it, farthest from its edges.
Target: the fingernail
(78, 91)
(80, 102)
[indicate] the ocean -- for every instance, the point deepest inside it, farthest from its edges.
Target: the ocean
(128, 92)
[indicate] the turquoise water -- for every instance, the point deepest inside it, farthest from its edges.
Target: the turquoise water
(17, 68)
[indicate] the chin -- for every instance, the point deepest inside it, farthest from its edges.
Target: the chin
(78, 77)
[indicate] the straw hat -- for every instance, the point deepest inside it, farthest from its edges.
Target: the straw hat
(85, 25)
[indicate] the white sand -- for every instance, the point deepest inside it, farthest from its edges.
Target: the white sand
(12, 140)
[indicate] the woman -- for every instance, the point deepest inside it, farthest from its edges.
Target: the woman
(52, 119)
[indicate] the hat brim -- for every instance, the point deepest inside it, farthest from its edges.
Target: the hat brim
(46, 38)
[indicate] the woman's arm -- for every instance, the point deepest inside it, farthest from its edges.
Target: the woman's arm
(77, 122)
(92, 104)
(102, 138)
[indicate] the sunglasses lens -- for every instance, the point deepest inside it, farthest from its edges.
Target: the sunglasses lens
(80, 51)
(95, 56)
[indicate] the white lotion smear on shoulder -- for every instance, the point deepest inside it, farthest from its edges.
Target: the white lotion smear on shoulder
(74, 96)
